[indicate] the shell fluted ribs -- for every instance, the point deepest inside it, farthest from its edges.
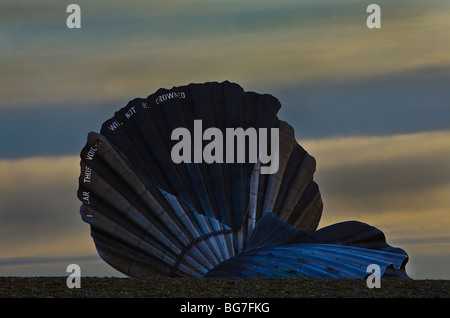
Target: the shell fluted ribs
(153, 215)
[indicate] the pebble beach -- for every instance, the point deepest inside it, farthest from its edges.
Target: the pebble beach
(113, 287)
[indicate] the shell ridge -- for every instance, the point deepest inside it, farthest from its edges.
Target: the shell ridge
(120, 236)
(198, 221)
(299, 260)
(151, 216)
(193, 243)
(178, 113)
(206, 110)
(162, 215)
(159, 129)
(107, 151)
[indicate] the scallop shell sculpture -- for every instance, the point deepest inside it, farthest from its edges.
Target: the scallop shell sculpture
(151, 216)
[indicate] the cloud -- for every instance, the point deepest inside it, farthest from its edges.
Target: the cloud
(90, 265)
(126, 49)
(49, 130)
(369, 150)
(384, 175)
(403, 103)
(39, 209)
(406, 103)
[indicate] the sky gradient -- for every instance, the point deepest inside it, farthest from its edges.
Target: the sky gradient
(371, 105)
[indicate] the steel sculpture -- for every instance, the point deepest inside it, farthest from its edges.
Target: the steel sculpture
(209, 217)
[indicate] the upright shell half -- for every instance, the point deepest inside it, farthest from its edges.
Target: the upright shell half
(204, 180)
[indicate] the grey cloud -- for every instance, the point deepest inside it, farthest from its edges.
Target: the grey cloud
(50, 130)
(424, 266)
(390, 104)
(376, 179)
(401, 103)
(387, 185)
(42, 260)
(90, 265)
(189, 19)
(36, 213)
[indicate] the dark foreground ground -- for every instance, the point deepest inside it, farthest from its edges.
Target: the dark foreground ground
(96, 287)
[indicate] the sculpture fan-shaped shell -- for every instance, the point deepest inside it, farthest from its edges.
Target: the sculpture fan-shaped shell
(150, 215)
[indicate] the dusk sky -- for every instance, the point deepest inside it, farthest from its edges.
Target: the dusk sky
(371, 105)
